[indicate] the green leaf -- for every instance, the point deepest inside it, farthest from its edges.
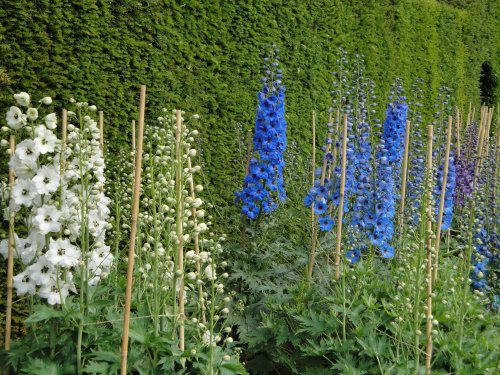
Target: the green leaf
(43, 313)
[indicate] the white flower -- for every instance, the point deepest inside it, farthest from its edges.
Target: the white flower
(92, 108)
(51, 121)
(47, 100)
(52, 294)
(210, 272)
(27, 248)
(41, 271)
(23, 168)
(62, 253)
(46, 180)
(206, 338)
(32, 114)
(23, 99)
(15, 118)
(24, 283)
(46, 219)
(27, 150)
(45, 139)
(23, 192)
(101, 257)
(4, 247)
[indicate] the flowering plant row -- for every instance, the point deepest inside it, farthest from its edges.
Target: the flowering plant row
(58, 201)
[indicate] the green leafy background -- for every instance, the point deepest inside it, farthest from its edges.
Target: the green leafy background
(205, 57)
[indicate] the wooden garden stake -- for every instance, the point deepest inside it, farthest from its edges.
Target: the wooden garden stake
(10, 252)
(443, 195)
(64, 137)
(133, 231)
(469, 114)
(196, 241)
(179, 209)
(458, 128)
(133, 138)
(341, 198)
(429, 215)
(313, 221)
(405, 174)
(101, 129)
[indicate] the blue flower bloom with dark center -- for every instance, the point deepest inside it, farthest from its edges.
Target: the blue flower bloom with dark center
(325, 223)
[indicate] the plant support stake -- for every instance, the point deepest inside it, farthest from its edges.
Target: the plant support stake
(10, 252)
(443, 195)
(341, 198)
(133, 231)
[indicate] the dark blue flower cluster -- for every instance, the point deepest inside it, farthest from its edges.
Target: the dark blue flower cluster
(416, 169)
(389, 157)
(448, 195)
(263, 185)
(394, 133)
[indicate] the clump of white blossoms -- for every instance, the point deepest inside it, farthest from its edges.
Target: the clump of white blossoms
(58, 195)
(158, 261)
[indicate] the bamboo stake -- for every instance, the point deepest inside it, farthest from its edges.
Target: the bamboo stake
(327, 150)
(458, 128)
(428, 326)
(10, 251)
(101, 129)
(405, 173)
(488, 129)
(64, 137)
(133, 138)
(133, 231)
(443, 195)
(180, 210)
(196, 243)
(341, 198)
(469, 114)
(312, 253)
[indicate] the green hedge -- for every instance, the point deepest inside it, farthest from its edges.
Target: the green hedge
(205, 57)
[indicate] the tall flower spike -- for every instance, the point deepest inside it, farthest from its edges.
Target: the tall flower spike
(389, 157)
(263, 185)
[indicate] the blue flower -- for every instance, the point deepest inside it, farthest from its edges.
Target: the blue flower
(320, 206)
(263, 185)
(325, 223)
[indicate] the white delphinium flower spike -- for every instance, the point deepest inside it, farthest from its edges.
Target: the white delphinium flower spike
(15, 118)
(47, 219)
